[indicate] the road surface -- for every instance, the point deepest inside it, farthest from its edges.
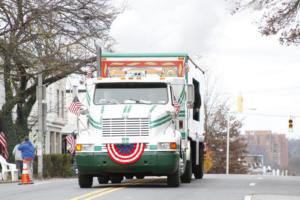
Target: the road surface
(212, 187)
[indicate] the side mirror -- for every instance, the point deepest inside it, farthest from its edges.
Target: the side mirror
(190, 96)
(84, 111)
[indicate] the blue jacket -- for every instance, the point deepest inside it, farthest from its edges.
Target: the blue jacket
(27, 149)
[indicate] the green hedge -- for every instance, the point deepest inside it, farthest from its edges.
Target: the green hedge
(56, 165)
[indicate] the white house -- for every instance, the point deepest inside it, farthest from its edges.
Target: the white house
(56, 118)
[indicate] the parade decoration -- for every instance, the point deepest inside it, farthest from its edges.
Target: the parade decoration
(125, 153)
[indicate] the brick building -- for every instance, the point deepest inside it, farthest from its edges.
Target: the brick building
(273, 147)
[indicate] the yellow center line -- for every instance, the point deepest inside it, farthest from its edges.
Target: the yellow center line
(91, 193)
(103, 193)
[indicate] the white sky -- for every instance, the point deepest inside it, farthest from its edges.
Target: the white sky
(263, 71)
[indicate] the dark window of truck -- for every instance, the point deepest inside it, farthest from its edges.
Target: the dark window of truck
(197, 102)
(131, 93)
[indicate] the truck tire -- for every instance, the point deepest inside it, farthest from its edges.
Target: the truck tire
(174, 179)
(103, 179)
(140, 177)
(85, 181)
(186, 177)
(199, 169)
(129, 176)
(116, 179)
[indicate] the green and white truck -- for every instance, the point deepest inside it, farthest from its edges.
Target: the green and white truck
(144, 118)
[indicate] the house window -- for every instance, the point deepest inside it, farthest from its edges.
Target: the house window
(62, 104)
(57, 103)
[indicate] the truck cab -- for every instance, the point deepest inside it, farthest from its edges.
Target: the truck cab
(143, 119)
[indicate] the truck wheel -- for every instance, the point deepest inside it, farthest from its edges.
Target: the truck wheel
(140, 177)
(116, 179)
(174, 179)
(103, 179)
(129, 176)
(85, 181)
(186, 177)
(199, 169)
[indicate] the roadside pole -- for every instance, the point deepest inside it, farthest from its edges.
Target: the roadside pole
(227, 146)
(75, 93)
(41, 121)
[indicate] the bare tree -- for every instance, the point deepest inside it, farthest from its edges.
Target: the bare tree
(53, 37)
(216, 112)
(279, 17)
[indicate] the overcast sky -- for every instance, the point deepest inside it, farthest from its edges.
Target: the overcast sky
(230, 47)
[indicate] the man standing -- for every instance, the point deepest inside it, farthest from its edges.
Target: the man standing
(28, 152)
(18, 159)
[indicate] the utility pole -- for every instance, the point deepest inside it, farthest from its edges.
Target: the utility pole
(227, 146)
(75, 93)
(41, 99)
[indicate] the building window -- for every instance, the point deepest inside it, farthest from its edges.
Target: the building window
(62, 104)
(57, 103)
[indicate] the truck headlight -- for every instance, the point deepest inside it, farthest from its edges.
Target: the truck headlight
(87, 147)
(163, 145)
(167, 145)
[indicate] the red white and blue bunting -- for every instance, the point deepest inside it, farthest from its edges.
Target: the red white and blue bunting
(125, 153)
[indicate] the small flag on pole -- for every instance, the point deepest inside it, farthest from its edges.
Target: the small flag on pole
(71, 142)
(3, 145)
(75, 106)
(176, 105)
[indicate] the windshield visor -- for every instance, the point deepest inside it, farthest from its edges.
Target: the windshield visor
(135, 93)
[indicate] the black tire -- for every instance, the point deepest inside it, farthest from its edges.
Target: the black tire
(140, 177)
(103, 179)
(85, 181)
(186, 177)
(129, 176)
(174, 179)
(199, 169)
(116, 179)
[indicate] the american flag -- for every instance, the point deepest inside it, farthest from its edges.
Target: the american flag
(176, 105)
(75, 106)
(89, 73)
(71, 141)
(3, 145)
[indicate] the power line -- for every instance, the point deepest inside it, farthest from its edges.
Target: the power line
(271, 115)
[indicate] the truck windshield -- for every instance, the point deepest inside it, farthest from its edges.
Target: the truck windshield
(135, 93)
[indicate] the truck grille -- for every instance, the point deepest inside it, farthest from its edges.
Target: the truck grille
(125, 127)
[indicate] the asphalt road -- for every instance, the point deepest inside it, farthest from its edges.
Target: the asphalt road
(212, 187)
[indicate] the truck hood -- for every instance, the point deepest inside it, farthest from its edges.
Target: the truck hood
(127, 111)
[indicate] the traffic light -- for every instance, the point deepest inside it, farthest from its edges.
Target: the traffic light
(290, 124)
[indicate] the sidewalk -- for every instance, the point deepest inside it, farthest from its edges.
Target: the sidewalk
(8, 181)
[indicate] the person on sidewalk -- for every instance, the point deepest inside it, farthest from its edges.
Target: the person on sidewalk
(28, 153)
(18, 159)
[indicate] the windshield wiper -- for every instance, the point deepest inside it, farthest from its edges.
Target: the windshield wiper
(137, 101)
(145, 101)
(110, 101)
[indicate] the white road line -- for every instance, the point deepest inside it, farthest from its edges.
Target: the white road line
(42, 183)
(248, 197)
(252, 184)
